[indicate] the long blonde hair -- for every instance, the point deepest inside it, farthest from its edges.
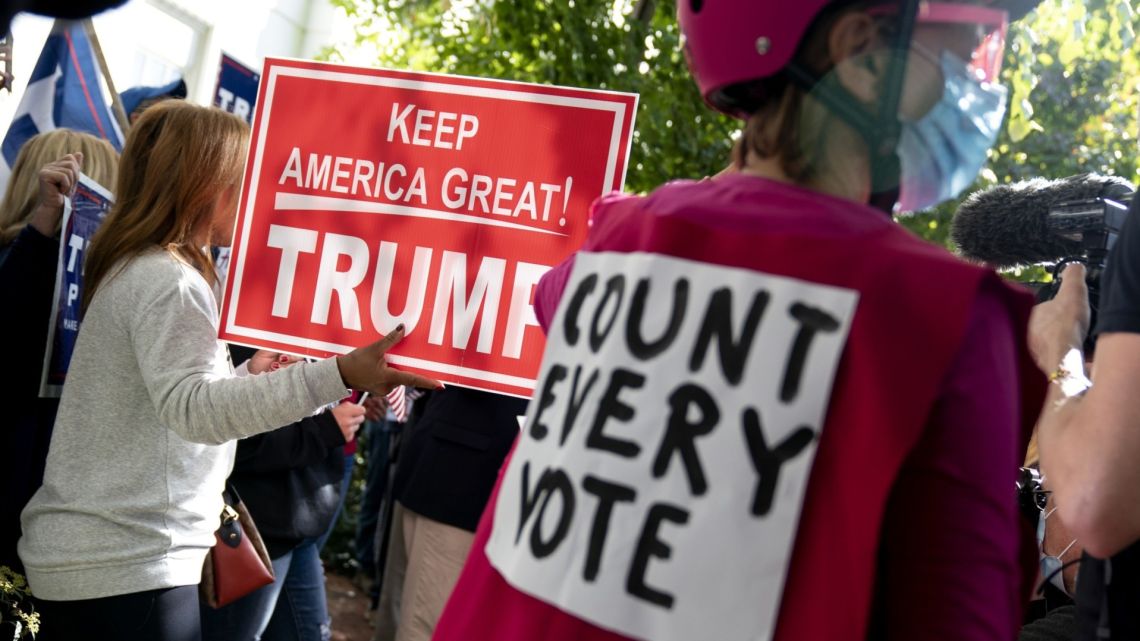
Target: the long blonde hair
(100, 162)
(178, 160)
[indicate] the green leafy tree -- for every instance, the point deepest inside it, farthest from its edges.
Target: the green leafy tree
(18, 619)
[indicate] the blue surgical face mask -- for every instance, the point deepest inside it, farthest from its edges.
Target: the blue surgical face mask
(942, 152)
(1051, 565)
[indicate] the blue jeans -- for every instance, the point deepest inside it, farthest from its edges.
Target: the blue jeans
(302, 612)
(349, 462)
(292, 608)
(247, 618)
(378, 435)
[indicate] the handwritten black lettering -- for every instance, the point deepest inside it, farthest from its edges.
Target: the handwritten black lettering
(717, 324)
(767, 462)
(650, 546)
(557, 372)
(574, 307)
(611, 406)
(528, 498)
(576, 400)
(638, 346)
(812, 320)
(552, 481)
(681, 435)
(608, 494)
(615, 287)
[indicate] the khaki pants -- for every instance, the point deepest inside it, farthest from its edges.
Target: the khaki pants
(433, 555)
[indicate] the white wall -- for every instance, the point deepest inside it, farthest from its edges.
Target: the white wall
(150, 42)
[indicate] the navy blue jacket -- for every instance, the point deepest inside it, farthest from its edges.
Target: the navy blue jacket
(289, 479)
(452, 458)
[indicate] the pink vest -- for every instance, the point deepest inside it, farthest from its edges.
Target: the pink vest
(913, 304)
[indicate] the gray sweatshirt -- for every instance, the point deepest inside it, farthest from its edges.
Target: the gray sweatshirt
(143, 441)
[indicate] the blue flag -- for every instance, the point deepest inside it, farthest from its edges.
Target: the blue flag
(64, 90)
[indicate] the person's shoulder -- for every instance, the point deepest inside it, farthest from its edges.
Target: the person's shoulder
(666, 193)
(156, 264)
(900, 241)
(614, 206)
(152, 274)
(906, 258)
(676, 194)
(607, 204)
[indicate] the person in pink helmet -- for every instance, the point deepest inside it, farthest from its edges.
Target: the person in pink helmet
(765, 410)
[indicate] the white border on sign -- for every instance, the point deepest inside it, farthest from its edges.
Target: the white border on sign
(301, 202)
(617, 108)
(395, 359)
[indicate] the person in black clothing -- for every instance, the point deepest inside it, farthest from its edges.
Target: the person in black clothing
(447, 470)
(1059, 625)
(45, 172)
(1089, 437)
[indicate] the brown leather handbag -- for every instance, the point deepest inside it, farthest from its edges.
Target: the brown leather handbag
(238, 563)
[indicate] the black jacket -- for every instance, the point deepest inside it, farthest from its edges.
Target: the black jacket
(27, 286)
(452, 458)
(289, 479)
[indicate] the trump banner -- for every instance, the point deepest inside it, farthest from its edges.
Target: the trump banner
(83, 213)
(236, 91)
(375, 197)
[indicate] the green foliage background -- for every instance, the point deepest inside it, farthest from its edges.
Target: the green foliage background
(1073, 70)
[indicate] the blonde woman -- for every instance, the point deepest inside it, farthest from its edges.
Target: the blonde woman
(115, 538)
(34, 197)
(45, 172)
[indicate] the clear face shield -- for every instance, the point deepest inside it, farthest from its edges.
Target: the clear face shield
(974, 34)
(942, 151)
(984, 26)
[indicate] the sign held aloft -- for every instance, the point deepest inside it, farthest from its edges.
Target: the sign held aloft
(236, 90)
(83, 214)
(375, 197)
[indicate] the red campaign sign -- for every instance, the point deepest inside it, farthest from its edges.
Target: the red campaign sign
(374, 197)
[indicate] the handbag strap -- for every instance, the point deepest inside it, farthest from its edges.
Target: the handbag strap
(230, 531)
(230, 495)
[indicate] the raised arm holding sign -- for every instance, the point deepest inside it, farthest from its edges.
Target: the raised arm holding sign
(82, 215)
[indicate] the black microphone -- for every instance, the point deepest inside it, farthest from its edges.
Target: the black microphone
(1023, 223)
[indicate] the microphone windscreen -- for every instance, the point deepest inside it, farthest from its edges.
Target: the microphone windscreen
(1007, 225)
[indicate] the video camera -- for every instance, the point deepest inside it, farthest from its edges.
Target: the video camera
(1093, 225)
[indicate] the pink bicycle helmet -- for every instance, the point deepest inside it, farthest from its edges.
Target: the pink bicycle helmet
(728, 42)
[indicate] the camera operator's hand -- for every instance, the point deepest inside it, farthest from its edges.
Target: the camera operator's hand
(1059, 325)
